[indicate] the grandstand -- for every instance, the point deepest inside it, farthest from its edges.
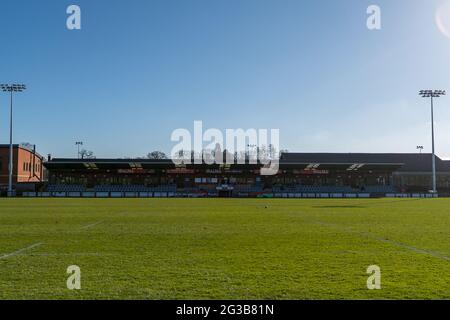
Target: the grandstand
(299, 175)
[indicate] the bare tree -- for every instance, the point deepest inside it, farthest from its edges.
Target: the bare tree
(86, 154)
(158, 155)
(27, 145)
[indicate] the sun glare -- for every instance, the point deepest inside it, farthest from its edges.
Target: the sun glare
(443, 19)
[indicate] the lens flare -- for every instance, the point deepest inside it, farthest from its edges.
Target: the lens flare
(443, 19)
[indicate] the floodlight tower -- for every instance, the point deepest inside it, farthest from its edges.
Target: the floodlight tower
(432, 94)
(78, 144)
(11, 88)
(420, 148)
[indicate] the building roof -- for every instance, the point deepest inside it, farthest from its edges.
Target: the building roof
(411, 162)
(399, 162)
(20, 146)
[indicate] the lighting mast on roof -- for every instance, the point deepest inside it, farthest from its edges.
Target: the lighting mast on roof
(78, 144)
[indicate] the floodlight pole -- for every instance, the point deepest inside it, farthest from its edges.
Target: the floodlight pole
(78, 144)
(432, 94)
(10, 167)
(11, 88)
(433, 157)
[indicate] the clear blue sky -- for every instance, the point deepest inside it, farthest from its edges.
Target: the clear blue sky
(139, 69)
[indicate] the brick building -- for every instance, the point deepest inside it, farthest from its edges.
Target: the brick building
(27, 165)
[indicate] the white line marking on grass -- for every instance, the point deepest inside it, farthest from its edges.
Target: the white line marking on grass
(91, 225)
(81, 254)
(20, 251)
(399, 244)
(375, 237)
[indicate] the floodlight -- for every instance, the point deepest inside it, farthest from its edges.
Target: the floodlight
(11, 88)
(432, 94)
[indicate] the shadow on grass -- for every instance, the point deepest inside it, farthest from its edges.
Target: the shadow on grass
(340, 207)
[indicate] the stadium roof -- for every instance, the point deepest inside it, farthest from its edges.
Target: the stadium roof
(67, 163)
(402, 162)
(411, 162)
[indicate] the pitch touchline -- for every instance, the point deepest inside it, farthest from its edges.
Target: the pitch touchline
(20, 250)
(91, 225)
(418, 250)
(372, 236)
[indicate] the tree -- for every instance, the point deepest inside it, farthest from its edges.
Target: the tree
(86, 154)
(156, 155)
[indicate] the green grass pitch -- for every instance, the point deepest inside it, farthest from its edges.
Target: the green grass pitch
(224, 248)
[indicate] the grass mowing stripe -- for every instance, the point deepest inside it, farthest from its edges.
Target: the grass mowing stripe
(20, 251)
(91, 225)
(375, 237)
